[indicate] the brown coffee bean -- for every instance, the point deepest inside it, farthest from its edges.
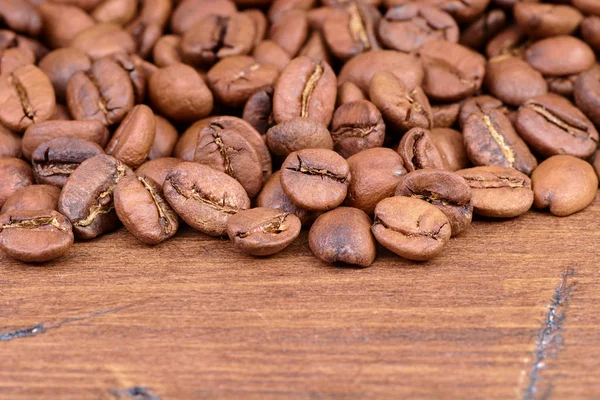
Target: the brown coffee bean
(448, 191)
(14, 52)
(26, 97)
(513, 81)
(60, 65)
(136, 73)
(305, 88)
(260, 24)
(411, 228)
(349, 92)
(565, 184)
(545, 20)
(165, 139)
(479, 104)
(166, 51)
(317, 17)
(158, 168)
(375, 175)
(451, 147)
(55, 160)
(498, 192)
(357, 126)
(38, 49)
(552, 125)
(290, 31)
(490, 139)
(510, 41)
(20, 16)
(86, 5)
(10, 143)
(102, 40)
(315, 179)
(190, 12)
(273, 196)
(143, 210)
(587, 6)
(35, 236)
(104, 93)
(149, 24)
(419, 152)
(263, 231)
(343, 235)
(15, 174)
(479, 33)
(133, 139)
(590, 31)
(203, 197)
(560, 55)
(452, 72)
(269, 52)
(118, 12)
(401, 108)
(350, 29)
(37, 134)
(34, 197)
(180, 94)
(316, 48)
(62, 23)
(298, 134)
(463, 12)
(258, 110)
(562, 85)
(282, 7)
(587, 93)
(445, 115)
(234, 79)
(407, 27)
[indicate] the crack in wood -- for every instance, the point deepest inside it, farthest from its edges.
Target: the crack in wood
(136, 393)
(549, 338)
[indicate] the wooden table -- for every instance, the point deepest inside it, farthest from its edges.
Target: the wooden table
(510, 310)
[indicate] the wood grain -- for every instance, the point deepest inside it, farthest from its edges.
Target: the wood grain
(194, 319)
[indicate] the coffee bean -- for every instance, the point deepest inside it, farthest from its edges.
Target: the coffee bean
(343, 235)
(316, 48)
(158, 168)
(587, 93)
(10, 143)
(375, 175)
(565, 184)
(315, 179)
(87, 196)
(60, 65)
(26, 97)
(189, 13)
(35, 236)
(165, 139)
(560, 55)
(37, 134)
(33, 197)
(263, 231)
(403, 109)
(273, 196)
(418, 151)
(545, 20)
(15, 174)
(14, 53)
(282, 7)
(203, 197)
(562, 85)
(479, 104)
(136, 74)
(134, 137)
(269, 52)
(305, 88)
(55, 160)
(587, 6)
(166, 51)
(149, 24)
(411, 228)
(260, 24)
(448, 191)
(290, 31)
(498, 192)
(62, 23)
(258, 110)
(407, 27)
(590, 31)
(102, 40)
(552, 125)
(298, 134)
(357, 126)
(349, 92)
(115, 11)
(513, 81)
(464, 12)
(445, 115)
(478, 33)
(20, 16)
(490, 139)
(510, 41)
(180, 94)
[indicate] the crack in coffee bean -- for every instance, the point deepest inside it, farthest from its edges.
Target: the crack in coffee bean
(219, 34)
(502, 182)
(357, 26)
(52, 169)
(273, 226)
(578, 131)
(434, 198)
(242, 74)
(499, 139)
(33, 223)
(195, 193)
(410, 234)
(102, 101)
(311, 83)
(23, 97)
(323, 173)
(353, 131)
(160, 205)
(223, 150)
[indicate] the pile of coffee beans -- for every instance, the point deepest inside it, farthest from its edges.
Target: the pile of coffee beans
(364, 121)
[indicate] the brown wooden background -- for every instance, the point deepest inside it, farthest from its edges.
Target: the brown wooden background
(510, 310)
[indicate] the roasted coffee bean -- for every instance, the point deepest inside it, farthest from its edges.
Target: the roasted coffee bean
(263, 231)
(234, 79)
(104, 93)
(20, 16)
(60, 65)
(451, 146)
(10, 143)
(149, 24)
(407, 27)
(135, 72)
(498, 192)
(143, 210)
(216, 37)
(37, 134)
(14, 52)
(419, 152)
(343, 235)
(560, 55)
(55, 160)
(545, 20)
(361, 69)
(350, 29)
(258, 110)
(411, 228)
(15, 174)
(166, 51)
(587, 93)
(562, 85)
(490, 139)
(26, 97)
(463, 11)
(315, 179)
(317, 17)
(102, 40)
(115, 11)
(316, 48)
(38, 49)
(203, 197)
(349, 92)
(33, 197)
(290, 31)
(552, 125)
(305, 88)
(587, 6)
(165, 139)
(448, 191)
(445, 115)
(375, 175)
(565, 184)
(179, 93)
(87, 196)
(298, 134)
(62, 23)
(479, 104)
(513, 81)
(452, 72)
(403, 109)
(133, 139)
(273, 196)
(158, 169)
(477, 34)
(357, 126)
(269, 52)
(35, 236)
(189, 13)
(510, 41)
(590, 31)
(260, 24)
(282, 7)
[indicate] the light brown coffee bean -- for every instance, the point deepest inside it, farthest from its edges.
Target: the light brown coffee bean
(349, 92)
(10, 143)
(273, 196)
(104, 39)
(133, 139)
(269, 52)
(62, 23)
(298, 134)
(15, 174)
(357, 126)
(165, 139)
(158, 169)
(418, 151)
(451, 146)
(31, 198)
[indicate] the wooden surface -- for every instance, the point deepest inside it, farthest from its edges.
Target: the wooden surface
(510, 310)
